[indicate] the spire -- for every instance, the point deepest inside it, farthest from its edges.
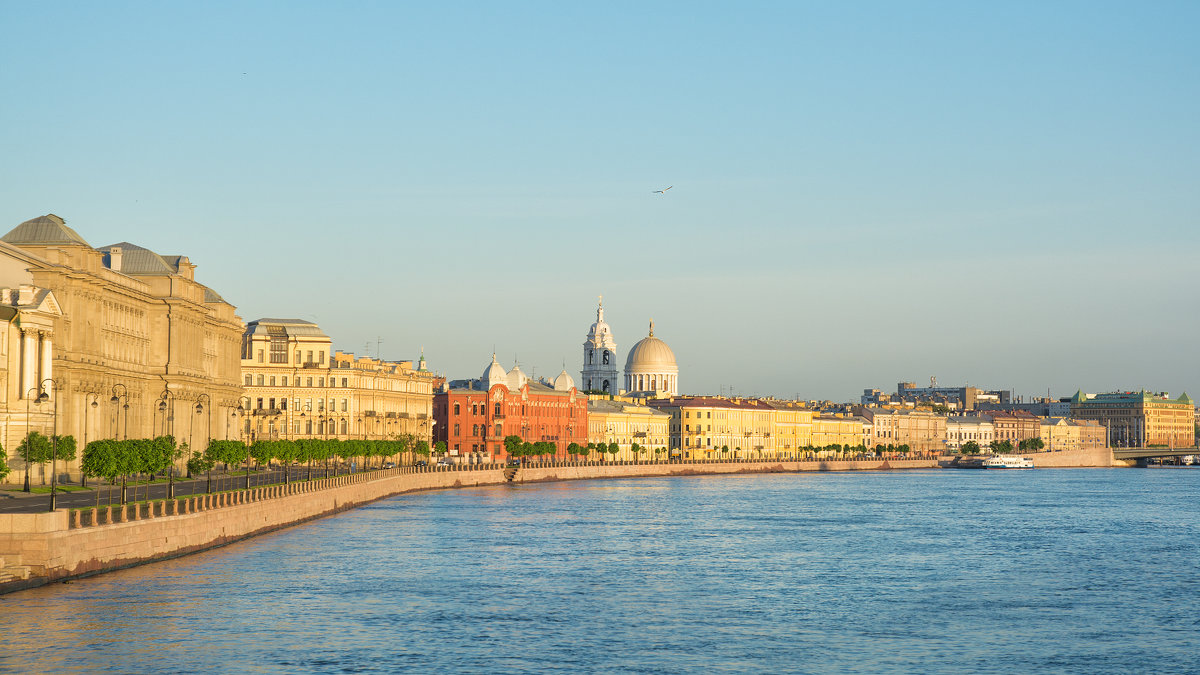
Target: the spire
(600, 310)
(651, 327)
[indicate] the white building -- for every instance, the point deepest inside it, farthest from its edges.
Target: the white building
(960, 430)
(600, 357)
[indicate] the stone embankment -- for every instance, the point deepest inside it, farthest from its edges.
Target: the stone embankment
(36, 549)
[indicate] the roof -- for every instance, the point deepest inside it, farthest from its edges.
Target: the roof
(139, 260)
(296, 327)
(608, 406)
(47, 229)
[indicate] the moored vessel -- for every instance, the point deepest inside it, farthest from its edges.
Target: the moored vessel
(1007, 462)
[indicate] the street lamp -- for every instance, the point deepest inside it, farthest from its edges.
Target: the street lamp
(116, 399)
(166, 406)
(91, 400)
(53, 440)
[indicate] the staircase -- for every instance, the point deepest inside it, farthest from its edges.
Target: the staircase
(510, 472)
(12, 570)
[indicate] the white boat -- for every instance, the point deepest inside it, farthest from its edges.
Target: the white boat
(1187, 460)
(1007, 462)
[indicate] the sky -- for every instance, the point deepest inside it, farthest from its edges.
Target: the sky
(1004, 195)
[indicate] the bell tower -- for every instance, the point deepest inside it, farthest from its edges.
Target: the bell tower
(599, 357)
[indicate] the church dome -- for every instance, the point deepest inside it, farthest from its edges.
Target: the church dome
(650, 355)
(563, 382)
(516, 378)
(493, 374)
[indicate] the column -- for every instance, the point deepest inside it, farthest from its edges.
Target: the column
(47, 357)
(28, 363)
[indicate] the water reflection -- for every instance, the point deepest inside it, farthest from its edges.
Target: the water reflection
(923, 571)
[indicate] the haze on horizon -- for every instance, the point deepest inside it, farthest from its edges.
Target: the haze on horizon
(864, 193)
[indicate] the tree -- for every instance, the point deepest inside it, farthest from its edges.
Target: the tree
(1000, 447)
(512, 445)
(970, 448)
(100, 460)
(634, 449)
(572, 450)
(35, 448)
(613, 449)
(4, 470)
(584, 451)
(201, 464)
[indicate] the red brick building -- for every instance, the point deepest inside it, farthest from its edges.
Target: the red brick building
(475, 422)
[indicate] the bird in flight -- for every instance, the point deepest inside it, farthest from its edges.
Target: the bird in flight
(662, 191)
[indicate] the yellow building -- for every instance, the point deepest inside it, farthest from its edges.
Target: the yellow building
(136, 347)
(1140, 419)
(296, 387)
(626, 421)
(704, 427)
(793, 427)
(1060, 434)
(830, 430)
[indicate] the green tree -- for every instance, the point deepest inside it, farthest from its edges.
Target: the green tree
(1000, 447)
(4, 470)
(634, 450)
(970, 448)
(512, 445)
(35, 449)
(198, 464)
(584, 451)
(100, 460)
(572, 450)
(613, 449)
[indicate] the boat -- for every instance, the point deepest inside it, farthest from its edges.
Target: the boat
(1187, 460)
(1007, 462)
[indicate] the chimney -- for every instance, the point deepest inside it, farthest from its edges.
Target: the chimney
(114, 258)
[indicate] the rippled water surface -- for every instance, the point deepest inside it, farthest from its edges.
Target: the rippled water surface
(1083, 571)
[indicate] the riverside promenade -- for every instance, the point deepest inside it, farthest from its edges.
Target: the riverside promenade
(40, 548)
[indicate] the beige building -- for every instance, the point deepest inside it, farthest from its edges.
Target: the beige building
(626, 421)
(966, 428)
(922, 431)
(1061, 434)
(136, 347)
(297, 387)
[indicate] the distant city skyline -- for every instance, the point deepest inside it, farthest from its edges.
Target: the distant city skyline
(861, 194)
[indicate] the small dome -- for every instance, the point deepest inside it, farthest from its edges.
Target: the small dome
(493, 374)
(47, 229)
(516, 378)
(564, 382)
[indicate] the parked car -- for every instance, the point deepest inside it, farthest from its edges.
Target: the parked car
(389, 465)
(420, 462)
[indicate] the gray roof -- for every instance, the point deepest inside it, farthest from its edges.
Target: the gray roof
(609, 406)
(47, 229)
(138, 260)
(212, 296)
(297, 327)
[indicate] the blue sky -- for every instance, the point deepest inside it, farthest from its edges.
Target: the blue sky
(1003, 194)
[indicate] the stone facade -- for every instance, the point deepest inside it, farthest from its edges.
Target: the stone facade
(1140, 419)
(297, 387)
(626, 422)
(139, 346)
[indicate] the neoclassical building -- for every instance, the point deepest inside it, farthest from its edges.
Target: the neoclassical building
(297, 386)
(600, 357)
(650, 368)
(123, 341)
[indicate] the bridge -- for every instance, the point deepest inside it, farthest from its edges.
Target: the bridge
(1146, 453)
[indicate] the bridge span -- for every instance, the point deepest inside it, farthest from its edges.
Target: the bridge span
(1147, 453)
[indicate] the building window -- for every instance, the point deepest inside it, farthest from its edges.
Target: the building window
(249, 380)
(260, 356)
(309, 355)
(259, 402)
(272, 380)
(308, 381)
(297, 356)
(497, 410)
(285, 381)
(343, 381)
(260, 380)
(343, 405)
(456, 410)
(321, 358)
(283, 404)
(456, 431)
(320, 382)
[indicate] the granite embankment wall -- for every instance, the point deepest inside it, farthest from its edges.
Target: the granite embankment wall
(36, 549)
(1097, 457)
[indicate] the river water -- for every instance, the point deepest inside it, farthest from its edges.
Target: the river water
(1072, 571)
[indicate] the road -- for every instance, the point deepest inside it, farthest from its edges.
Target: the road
(21, 502)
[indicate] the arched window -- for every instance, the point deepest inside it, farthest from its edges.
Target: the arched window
(456, 409)
(343, 426)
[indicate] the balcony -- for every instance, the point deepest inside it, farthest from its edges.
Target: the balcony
(369, 413)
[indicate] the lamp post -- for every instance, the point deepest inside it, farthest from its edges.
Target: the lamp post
(53, 440)
(92, 403)
(199, 410)
(166, 406)
(117, 399)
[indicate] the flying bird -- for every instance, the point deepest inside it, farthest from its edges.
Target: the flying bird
(662, 191)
